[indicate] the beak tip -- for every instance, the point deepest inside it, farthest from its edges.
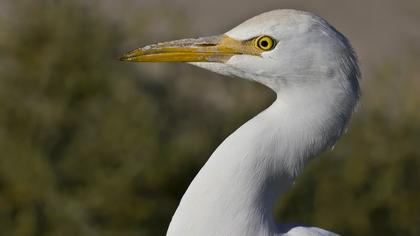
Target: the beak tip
(126, 57)
(131, 56)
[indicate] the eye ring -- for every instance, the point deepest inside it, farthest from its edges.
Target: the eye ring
(265, 43)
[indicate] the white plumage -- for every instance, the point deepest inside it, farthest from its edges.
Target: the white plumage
(314, 72)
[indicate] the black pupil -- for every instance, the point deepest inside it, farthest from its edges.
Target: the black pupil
(264, 43)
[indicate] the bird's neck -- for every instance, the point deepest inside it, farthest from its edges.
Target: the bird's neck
(235, 191)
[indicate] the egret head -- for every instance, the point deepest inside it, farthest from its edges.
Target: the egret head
(280, 49)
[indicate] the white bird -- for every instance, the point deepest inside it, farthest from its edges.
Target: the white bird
(314, 72)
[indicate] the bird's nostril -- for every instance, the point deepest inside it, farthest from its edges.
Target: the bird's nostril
(206, 44)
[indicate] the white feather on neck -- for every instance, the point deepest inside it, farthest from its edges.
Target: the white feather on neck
(235, 191)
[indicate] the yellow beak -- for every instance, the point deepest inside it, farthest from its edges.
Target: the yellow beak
(208, 49)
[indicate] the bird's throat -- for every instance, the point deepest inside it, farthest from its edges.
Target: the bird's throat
(234, 186)
(247, 173)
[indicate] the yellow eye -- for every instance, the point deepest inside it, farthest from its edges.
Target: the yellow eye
(265, 43)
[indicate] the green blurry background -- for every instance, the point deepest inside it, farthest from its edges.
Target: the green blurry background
(93, 146)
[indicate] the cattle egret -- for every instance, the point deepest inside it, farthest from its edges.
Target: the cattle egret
(314, 72)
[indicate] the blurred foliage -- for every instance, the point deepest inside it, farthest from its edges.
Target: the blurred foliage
(90, 146)
(93, 146)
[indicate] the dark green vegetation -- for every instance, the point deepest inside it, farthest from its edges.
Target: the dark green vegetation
(93, 146)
